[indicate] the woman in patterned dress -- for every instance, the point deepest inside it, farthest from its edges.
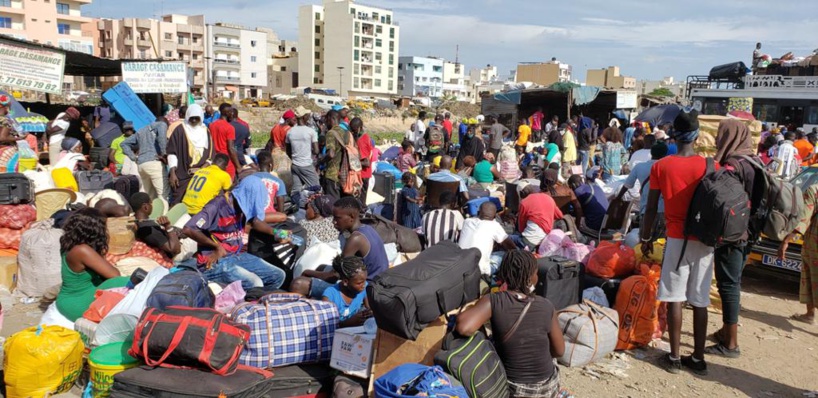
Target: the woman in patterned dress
(8, 134)
(809, 255)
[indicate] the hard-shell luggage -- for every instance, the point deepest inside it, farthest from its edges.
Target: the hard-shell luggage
(189, 337)
(15, 189)
(286, 329)
(105, 134)
(126, 185)
(144, 382)
(385, 186)
(590, 332)
(559, 281)
(185, 288)
(473, 206)
(407, 297)
(94, 181)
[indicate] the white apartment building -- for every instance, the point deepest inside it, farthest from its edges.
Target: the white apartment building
(456, 83)
(57, 23)
(175, 37)
(237, 61)
(645, 87)
(348, 47)
(420, 76)
(483, 75)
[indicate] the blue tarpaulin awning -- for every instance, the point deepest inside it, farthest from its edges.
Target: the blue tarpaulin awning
(510, 97)
(585, 95)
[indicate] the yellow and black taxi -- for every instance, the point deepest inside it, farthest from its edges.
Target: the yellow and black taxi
(765, 252)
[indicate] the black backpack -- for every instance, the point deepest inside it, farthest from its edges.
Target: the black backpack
(719, 212)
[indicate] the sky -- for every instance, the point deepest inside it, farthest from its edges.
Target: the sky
(646, 39)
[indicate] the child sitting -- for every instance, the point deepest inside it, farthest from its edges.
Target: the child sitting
(349, 294)
(410, 202)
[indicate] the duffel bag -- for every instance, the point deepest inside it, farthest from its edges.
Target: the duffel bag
(407, 297)
(189, 337)
(590, 332)
(638, 308)
(474, 362)
(94, 181)
(406, 239)
(185, 288)
(145, 382)
(286, 329)
(414, 379)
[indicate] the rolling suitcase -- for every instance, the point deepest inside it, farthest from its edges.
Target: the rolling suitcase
(126, 185)
(559, 281)
(15, 189)
(191, 383)
(385, 186)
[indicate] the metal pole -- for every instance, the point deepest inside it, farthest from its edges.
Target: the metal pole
(341, 81)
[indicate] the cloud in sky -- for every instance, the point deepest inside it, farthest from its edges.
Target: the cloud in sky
(646, 39)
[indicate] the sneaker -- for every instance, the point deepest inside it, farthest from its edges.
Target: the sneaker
(722, 350)
(697, 367)
(671, 365)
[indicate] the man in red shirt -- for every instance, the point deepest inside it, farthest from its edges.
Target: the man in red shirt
(447, 125)
(535, 218)
(356, 125)
(278, 134)
(675, 178)
(224, 137)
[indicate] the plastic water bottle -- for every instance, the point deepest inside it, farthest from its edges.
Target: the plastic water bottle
(297, 240)
(370, 327)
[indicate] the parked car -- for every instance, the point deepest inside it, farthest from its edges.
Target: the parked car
(765, 252)
(78, 96)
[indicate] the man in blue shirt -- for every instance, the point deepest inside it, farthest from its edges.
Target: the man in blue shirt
(592, 199)
(210, 116)
(445, 175)
(641, 174)
(242, 141)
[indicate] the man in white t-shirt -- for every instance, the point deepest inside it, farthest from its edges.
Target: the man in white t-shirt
(56, 132)
(482, 233)
(787, 164)
(302, 144)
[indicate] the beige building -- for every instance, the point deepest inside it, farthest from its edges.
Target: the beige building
(645, 87)
(237, 61)
(349, 47)
(282, 67)
(57, 23)
(609, 78)
(175, 37)
(543, 73)
(456, 83)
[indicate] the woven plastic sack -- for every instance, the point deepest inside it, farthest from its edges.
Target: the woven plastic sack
(120, 235)
(17, 216)
(590, 333)
(658, 252)
(611, 260)
(42, 361)
(638, 308)
(39, 259)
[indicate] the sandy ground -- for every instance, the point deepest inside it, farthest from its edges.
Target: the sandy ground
(779, 357)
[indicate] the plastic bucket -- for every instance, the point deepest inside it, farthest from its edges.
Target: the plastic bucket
(26, 164)
(105, 362)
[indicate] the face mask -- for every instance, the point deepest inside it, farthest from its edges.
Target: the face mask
(531, 289)
(562, 132)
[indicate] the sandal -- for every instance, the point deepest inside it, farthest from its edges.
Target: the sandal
(803, 318)
(722, 350)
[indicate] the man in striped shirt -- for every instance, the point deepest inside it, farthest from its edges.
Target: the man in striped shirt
(442, 223)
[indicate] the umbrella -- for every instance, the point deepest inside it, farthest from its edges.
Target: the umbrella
(741, 115)
(659, 114)
(28, 122)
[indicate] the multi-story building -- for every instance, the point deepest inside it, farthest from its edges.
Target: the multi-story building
(57, 23)
(420, 76)
(349, 47)
(543, 73)
(609, 78)
(175, 37)
(456, 83)
(483, 75)
(237, 61)
(645, 87)
(282, 64)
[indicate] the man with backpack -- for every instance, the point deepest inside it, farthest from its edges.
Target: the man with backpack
(688, 264)
(436, 139)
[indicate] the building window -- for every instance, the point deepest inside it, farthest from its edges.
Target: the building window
(283, 68)
(195, 56)
(391, 59)
(168, 36)
(378, 43)
(195, 39)
(252, 43)
(377, 82)
(357, 69)
(389, 19)
(278, 82)
(5, 22)
(355, 54)
(181, 40)
(5, 3)
(143, 54)
(357, 41)
(391, 85)
(375, 16)
(317, 28)
(317, 16)
(253, 58)
(378, 70)
(391, 72)
(315, 80)
(379, 29)
(356, 83)
(168, 54)
(63, 28)
(378, 56)
(253, 75)
(318, 42)
(317, 68)
(62, 8)
(391, 46)
(317, 55)
(391, 33)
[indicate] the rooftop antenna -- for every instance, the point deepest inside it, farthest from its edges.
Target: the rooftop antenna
(457, 53)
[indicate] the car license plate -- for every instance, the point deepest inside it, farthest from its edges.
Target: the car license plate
(792, 265)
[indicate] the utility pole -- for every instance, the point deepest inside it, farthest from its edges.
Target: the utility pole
(341, 81)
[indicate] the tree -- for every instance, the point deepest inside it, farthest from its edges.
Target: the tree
(662, 92)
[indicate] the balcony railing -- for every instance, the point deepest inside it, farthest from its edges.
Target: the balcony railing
(224, 44)
(227, 79)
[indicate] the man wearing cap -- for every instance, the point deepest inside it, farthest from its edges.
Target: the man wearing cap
(278, 135)
(56, 132)
(302, 144)
(224, 138)
(686, 273)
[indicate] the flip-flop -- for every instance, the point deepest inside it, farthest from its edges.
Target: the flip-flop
(803, 318)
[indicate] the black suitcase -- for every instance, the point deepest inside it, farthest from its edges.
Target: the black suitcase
(559, 281)
(609, 286)
(161, 382)
(126, 185)
(15, 188)
(99, 157)
(94, 181)
(407, 297)
(385, 186)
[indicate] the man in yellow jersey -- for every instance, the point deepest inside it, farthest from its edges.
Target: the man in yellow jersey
(206, 184)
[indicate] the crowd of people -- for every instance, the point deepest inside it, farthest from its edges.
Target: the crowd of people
(558, 171)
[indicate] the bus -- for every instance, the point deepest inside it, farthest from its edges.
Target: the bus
(776, 100)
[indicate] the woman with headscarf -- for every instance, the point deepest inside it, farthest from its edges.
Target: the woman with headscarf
(473, 146)
(56, 131)
(189, 149)
(71, 155)
(734, 150)
(8, 133)
(318, 223)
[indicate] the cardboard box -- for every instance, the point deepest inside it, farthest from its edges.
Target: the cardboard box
(352, 352)
(8, 272)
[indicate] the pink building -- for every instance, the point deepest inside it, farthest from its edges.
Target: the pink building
(54, 22)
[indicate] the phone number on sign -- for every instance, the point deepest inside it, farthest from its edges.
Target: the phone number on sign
(29, 83)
